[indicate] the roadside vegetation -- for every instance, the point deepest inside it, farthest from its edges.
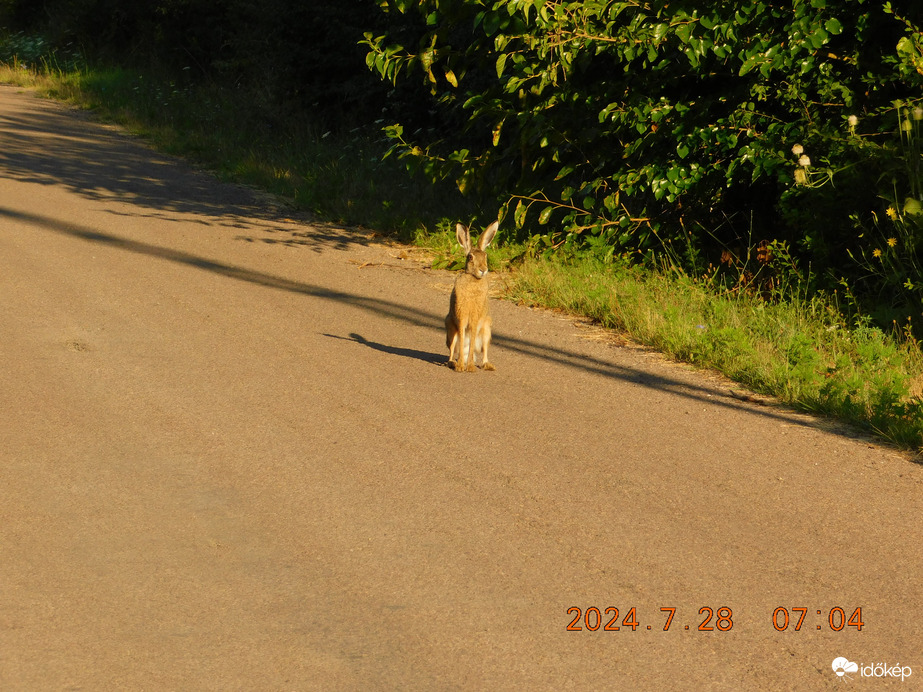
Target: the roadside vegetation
(770, 229)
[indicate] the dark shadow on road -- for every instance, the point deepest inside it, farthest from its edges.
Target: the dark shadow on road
(417, 317)
(54, 146)
(47, 144)
(425, 356)
(321, 236)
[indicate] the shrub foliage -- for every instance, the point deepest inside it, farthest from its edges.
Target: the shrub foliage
(650, 126)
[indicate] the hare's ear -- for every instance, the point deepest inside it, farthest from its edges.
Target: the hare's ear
(464, 237)
(488, 235)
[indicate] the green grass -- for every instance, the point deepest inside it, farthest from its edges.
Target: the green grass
(796, 349)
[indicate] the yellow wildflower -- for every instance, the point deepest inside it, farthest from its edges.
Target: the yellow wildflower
(892, 213)
(876, 252)
(892, 242)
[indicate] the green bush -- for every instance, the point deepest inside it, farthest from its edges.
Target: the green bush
(658, 127)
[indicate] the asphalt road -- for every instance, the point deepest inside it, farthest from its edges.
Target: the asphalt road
(231, 460)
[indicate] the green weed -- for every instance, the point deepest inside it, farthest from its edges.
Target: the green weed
(797, 350)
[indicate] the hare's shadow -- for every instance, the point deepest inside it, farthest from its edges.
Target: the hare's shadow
(425, 356)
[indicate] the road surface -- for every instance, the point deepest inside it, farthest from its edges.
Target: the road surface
(230, 459)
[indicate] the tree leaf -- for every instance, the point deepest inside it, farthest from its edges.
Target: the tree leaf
(495, 139)
(520, 214)
(501, 63)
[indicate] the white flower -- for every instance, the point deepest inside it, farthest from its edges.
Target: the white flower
(852, 120)
(804, 161)
(918, 113)
(797, 150)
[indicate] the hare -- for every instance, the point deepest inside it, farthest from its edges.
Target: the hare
(468, 322)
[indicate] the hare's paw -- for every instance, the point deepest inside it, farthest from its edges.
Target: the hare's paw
(489, 366)
(470, 368)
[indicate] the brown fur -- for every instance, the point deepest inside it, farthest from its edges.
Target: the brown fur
(468, 322)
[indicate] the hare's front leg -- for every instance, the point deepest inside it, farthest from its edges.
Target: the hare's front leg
(461, 337)
(485, 342)
(467, 355)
